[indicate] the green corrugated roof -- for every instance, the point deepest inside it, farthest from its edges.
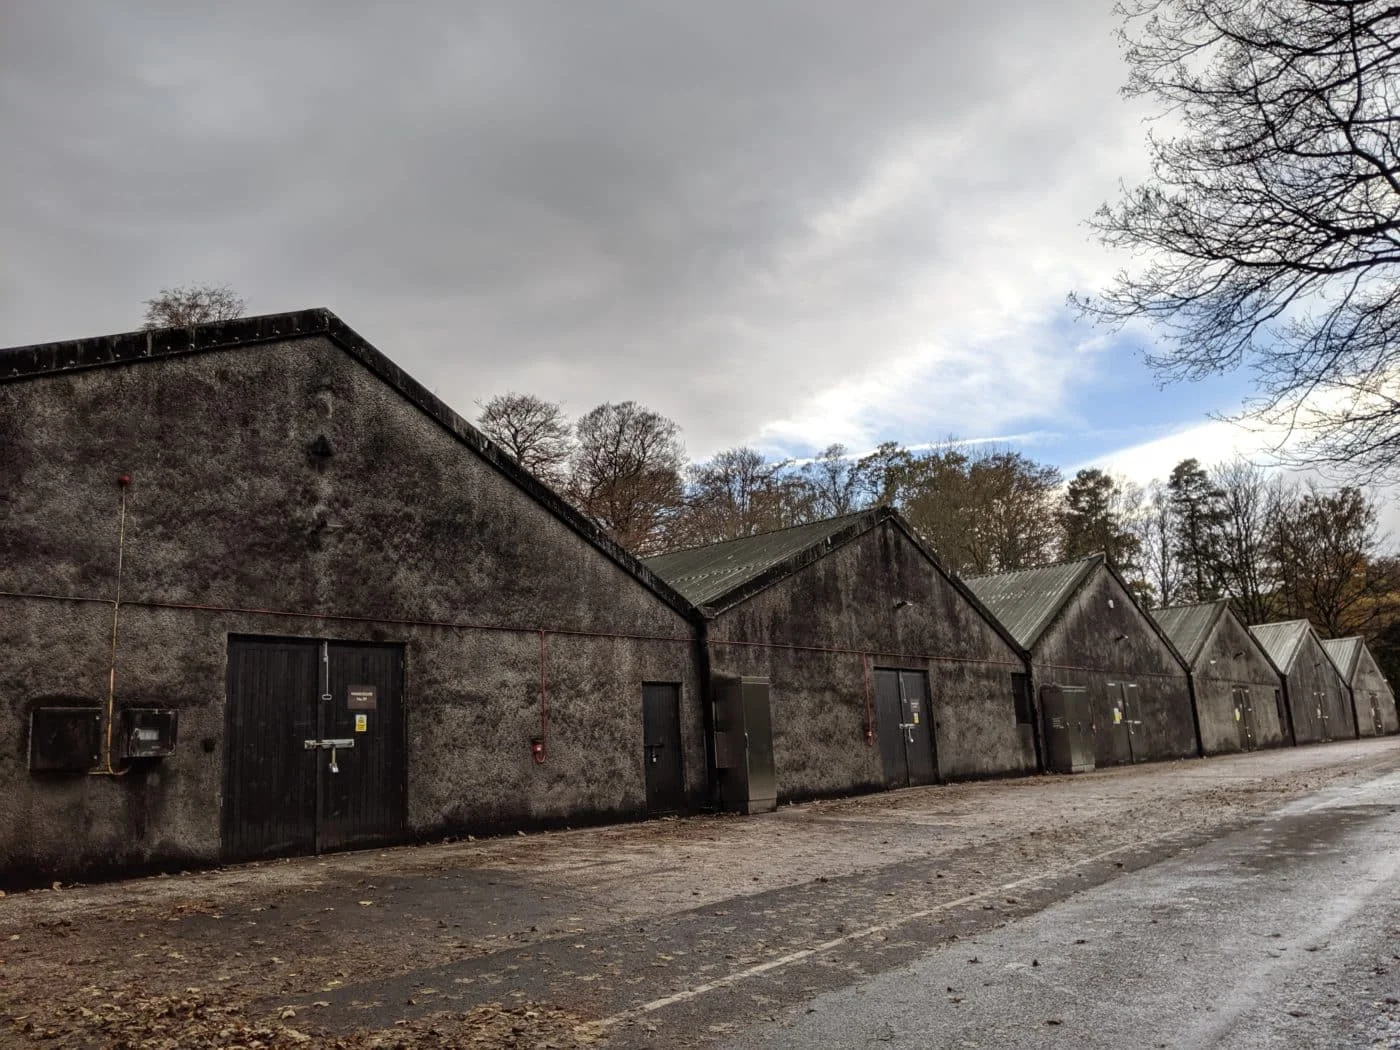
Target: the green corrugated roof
(706, 575)
(1282, 640)
(1025, 602)
(1189, 626)
(1345, 652)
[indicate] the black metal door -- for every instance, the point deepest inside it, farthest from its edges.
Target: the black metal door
(661, 732)
(904, 727)
(315, 746)
(1320, 705)
(269, 778)
(889, 718)
(1115, 740)
(1244, 716)
(362, 800)
(1377, 719)
(918, 726)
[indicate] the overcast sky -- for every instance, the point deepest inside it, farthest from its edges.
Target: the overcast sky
(783, 224)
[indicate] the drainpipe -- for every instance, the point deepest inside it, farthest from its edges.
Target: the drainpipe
(1194, 694)
(707, 712)
(1037, 717)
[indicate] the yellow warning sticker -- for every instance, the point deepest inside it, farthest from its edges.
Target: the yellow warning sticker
(361, 723)
(1117, 716)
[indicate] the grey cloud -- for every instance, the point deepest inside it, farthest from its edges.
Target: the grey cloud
(587, 200)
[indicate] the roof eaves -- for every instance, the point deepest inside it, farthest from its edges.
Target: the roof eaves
(1354, 650)
(779, 571)
(1328, 656)
(27, 362)
(1156, 627)
(1254, 641)
(1285, 665)
(1087, 565)
(1200, 645)
(958, 584)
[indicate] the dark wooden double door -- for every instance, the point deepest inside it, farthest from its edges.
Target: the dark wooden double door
(904, 722)
(315, 756)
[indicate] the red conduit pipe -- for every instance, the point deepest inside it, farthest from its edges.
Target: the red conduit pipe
(833, 650)
(837, 650)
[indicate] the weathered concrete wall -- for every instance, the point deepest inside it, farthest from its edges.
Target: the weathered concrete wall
(228, 510)
(1318, 699)
(1366, 681)
(846, 602)
(1086, 646)
(1218, 671)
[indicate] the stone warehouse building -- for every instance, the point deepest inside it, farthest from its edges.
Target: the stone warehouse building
(1085, 631)
(1237, 690)
(1318, 697)
(881, 668)
(1372, 701)
(262, 593)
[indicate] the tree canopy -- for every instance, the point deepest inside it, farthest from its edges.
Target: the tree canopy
(1268, 233)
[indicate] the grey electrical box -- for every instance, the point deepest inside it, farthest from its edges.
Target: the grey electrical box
(148, 732)
(744, 744)
(1069, 730)
(64, 739)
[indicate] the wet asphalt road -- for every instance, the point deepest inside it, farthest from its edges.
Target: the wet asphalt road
(1283, 934)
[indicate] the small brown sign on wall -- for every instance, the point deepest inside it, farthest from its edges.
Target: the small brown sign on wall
(362, 698)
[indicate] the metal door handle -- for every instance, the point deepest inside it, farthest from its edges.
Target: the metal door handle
(328, 745)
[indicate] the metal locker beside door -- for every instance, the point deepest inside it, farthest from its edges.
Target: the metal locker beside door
(743, 727)
(1069, 738)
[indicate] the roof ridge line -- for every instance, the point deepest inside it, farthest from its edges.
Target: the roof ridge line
(770, 532)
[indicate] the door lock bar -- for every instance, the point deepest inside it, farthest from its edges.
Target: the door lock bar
(332, 745)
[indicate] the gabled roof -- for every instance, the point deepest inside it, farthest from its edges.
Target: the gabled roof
(136, 348)
(709, 574)
(1027, 601)
(1345, 653)
(1282, 641)
(1189, 626)
(719, 576)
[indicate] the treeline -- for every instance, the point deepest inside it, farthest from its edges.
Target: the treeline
(1276, 549)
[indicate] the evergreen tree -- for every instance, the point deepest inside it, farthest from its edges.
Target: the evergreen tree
(1199, 518)
(1092, 519)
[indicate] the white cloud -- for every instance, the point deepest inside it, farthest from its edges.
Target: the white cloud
(1217, 441)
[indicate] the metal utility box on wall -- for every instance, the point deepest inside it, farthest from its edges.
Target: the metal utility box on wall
(1069, 731)
(64, 739)
(748, 782)
(148, 732)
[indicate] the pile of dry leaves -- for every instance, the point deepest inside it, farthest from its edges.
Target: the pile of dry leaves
(195, 1021)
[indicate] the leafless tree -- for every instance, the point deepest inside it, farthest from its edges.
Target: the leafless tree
(740, 493)
(837, 481)
(534, 431)
(1325, 545)
(192, 304)
(625, 473)
(986, 510)
(1154, 526)
(1248, 503)
(1268, 233)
